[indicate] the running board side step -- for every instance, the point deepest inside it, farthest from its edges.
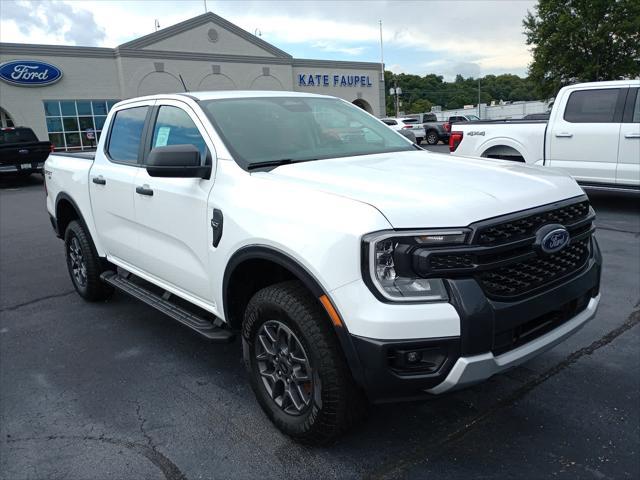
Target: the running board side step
(204, 327)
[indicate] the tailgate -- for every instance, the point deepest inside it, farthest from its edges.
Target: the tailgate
(24, 153)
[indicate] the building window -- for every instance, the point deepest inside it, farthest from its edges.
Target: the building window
(70, 123)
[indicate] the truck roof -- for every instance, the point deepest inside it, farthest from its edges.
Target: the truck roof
(610, 83)
(222, 94)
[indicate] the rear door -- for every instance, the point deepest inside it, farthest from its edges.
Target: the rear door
(584, 134)
(111, 182)
(173, 223)
(628, 170)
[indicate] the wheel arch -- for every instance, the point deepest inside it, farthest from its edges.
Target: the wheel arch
(67, 210)
(266, 257)
(507, 144)
(280, 267)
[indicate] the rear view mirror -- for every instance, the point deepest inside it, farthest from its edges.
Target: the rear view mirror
(177, 161)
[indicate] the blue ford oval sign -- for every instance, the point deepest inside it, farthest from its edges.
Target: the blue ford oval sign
(555, 240)
(29, 73)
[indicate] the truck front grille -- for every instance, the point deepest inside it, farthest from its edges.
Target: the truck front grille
(519, 228)
(521, 277)
(502, 255)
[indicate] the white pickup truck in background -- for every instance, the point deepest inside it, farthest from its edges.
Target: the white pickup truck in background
(593, 133)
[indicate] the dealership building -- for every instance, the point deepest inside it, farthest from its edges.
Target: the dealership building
(65, 92)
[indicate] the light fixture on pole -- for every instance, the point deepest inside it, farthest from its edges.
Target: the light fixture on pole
(396, 91)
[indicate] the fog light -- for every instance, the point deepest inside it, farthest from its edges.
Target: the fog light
(420, 360)
(413, 357)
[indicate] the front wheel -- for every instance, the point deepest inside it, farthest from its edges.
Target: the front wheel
(84, 265)
(296, 367)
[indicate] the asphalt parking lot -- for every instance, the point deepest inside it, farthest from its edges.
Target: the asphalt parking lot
(115, 390)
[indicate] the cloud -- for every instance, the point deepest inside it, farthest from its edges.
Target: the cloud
(333, 48)
(54, 19)
(458, 34)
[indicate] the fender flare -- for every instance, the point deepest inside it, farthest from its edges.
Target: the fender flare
(64, 196)
(262, 252)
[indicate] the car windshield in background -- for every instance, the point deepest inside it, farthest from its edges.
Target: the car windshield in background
(263, 130)
(17, 135)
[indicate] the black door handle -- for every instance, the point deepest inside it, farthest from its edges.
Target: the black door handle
(144, 190)
(99, 180)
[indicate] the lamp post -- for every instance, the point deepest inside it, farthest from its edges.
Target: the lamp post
(397, 91)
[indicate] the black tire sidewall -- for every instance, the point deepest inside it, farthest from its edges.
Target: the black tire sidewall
(95, 289)
(70, 234)
(431, 135)
(295, 424)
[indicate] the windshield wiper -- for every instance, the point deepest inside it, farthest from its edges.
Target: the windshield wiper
(269, 163)
(277, 163)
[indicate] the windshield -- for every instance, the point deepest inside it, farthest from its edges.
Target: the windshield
(272, 129)
(472, 118)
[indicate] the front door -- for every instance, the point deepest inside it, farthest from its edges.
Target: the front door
(111, 183)
(172, 221)
(584, 140)
(628, 172)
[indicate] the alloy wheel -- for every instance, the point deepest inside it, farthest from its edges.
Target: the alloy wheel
(78, 264)
(284, 367)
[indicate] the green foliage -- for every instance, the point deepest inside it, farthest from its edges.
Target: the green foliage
(419, 94)
(582, 40)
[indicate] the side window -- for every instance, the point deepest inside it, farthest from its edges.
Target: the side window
(636, 108)
(125, 134)
(592, 106)
(390, 122)
(175, 127)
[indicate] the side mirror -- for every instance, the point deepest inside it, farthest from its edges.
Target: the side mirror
(177, 161)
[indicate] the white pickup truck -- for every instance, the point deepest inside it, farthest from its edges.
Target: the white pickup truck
(593, 133)
(355, 265)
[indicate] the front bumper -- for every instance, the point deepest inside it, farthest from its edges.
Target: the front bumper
(494, 336)
(470, 370)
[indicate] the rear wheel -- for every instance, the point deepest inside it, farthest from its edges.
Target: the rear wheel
(296, 367)
(84, 265)
(432, 138)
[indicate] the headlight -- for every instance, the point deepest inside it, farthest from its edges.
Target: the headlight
(387, 258)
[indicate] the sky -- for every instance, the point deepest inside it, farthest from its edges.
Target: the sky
(467, 37)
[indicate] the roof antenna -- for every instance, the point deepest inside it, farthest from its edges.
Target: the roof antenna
(183, 84)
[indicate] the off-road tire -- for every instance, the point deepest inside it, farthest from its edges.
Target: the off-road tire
(336, 402)
(92, 289)
(432, 138)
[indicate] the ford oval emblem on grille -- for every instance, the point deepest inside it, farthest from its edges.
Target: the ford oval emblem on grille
(552, 238)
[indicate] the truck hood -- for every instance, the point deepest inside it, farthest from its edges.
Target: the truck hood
(423, 189)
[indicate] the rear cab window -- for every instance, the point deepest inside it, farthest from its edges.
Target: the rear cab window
(125, 135)
(17, 135)
(592, 106)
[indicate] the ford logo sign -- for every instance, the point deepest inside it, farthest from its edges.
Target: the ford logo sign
(29, 73)
(552, 238)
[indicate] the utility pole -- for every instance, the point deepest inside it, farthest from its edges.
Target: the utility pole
(382, 86)
(205, 6)
(479, 97)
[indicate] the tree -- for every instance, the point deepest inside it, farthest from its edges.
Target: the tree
(582, 40)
